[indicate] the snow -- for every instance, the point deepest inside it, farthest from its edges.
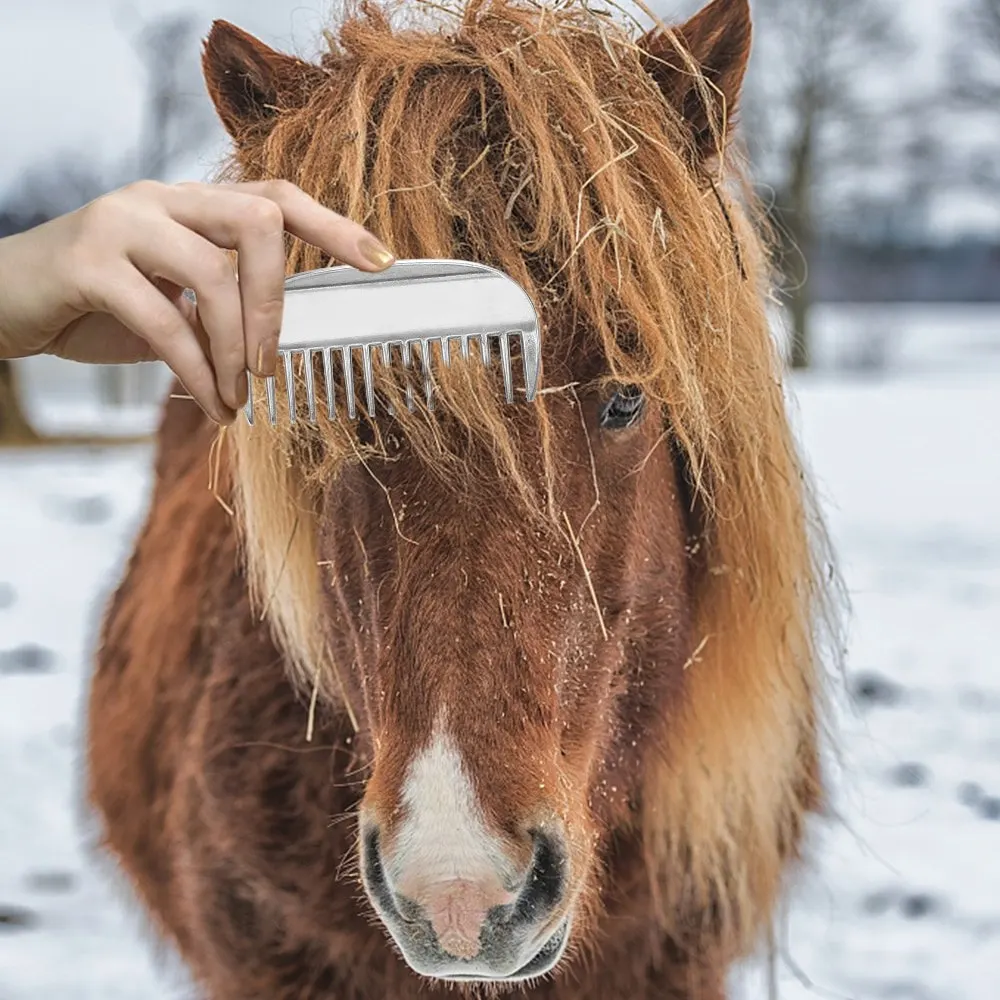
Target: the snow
(67, 517)
(903, 898)
(906, 902)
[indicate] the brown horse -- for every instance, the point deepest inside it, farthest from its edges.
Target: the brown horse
(525, 695)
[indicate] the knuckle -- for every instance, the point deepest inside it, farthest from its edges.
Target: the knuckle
(160, 328)
(268, 313)
(101, 216)
(216, 270)
(111, 215)
(279, 189)
(145, 189)
(264, 216)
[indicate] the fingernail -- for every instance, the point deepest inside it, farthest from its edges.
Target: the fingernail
(242, 389)
(266, 361)
(374, 252)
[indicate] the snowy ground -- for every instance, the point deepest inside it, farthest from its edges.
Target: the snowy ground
(905, 902)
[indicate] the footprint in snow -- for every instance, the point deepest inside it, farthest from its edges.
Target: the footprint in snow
(910, 905)
(27, 659)
(17, 918)
(910, 776)
(872, 690)
(989, 808)
(51, 881)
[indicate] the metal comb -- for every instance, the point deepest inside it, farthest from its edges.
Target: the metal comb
(413, 302)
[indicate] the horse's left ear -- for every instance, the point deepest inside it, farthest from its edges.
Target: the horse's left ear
(249, 82)
(717, 42)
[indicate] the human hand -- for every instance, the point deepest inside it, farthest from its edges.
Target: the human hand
(105, 284)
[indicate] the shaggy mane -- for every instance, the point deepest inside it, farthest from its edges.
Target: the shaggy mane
(533, 139)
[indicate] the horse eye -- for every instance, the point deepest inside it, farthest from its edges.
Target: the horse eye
(623, 409)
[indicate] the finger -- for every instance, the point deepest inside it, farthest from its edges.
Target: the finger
(147, 312)
(99, 338)
(254, 226)
(252, 217)
(183, 257)
(189, 310)
(307, 219)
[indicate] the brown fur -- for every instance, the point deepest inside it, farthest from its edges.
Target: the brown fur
(447, 559)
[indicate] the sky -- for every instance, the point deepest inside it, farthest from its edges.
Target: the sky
(78, 80)
(72, 80)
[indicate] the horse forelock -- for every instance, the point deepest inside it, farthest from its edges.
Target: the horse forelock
(532, 139)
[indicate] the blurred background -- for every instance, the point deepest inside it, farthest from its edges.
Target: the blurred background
(874, 130)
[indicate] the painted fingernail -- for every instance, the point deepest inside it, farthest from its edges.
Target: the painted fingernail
(267, 359)
(242, 389)
(374, 252)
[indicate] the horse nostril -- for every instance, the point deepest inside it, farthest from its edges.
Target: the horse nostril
(377, 882)
(374, 872)
(546, 882)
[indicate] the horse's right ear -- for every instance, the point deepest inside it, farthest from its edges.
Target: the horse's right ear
(249, 82)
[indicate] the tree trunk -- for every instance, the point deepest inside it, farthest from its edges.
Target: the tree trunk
(15, 428)
(797, 236)
(800, 306)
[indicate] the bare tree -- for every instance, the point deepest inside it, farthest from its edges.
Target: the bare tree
(975, 90)
(178, 118)
(815, 126)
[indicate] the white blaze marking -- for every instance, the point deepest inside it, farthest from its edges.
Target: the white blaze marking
(444, 835)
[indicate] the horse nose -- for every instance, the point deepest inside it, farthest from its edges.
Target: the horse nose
(472, 923)
(456, 910)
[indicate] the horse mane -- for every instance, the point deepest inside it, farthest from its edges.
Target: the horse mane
(534, 139)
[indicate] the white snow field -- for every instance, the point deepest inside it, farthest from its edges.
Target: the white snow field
(903, 902)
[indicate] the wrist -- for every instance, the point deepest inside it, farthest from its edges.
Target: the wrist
(28, 306)
(12, 332)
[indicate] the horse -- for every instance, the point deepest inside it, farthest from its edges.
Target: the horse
(523, 698)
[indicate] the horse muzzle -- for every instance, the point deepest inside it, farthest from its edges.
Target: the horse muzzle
(469, 926)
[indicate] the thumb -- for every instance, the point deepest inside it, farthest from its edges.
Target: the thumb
(100, 339)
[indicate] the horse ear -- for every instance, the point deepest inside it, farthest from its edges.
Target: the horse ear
(248, 82)
(717, 40)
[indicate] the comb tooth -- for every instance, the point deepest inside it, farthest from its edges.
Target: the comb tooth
(331, 410)
(465, 347)
(508, 374)
(408, 363)
(484, 344)
(307, 355)
(345, 353)
(425, 364)
(446, 351)
(366, 364)
(387, 362)
(248, 409)
(272, 408)
(289, 385)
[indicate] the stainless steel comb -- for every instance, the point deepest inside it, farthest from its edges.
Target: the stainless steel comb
(341, 311)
